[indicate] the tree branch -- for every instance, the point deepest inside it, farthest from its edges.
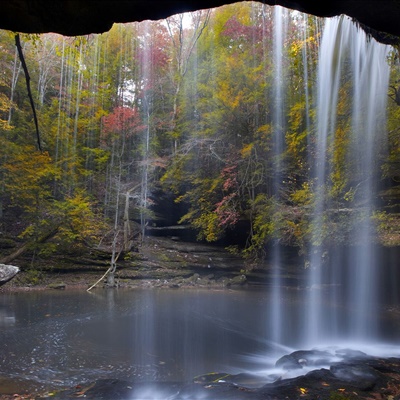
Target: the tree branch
(28, 87)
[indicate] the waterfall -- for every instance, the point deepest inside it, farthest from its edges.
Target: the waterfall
(329, 69)
(146, 77)
(278, 122)
(371, 78)
(345, 46)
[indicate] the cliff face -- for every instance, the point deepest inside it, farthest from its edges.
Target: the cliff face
(80, 17)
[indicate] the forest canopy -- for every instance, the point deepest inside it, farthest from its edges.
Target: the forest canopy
(181, 114)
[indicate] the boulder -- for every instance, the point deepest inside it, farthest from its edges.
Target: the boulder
(301, 358)
(7, 272)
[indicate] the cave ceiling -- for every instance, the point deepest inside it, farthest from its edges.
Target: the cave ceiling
(381, 18)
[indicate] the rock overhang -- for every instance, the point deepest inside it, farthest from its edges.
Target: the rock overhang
(82, 17)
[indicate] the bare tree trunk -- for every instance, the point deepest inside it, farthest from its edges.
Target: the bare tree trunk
(113, 266)
(183, 45)
(16, 72)
(110, 273)
(128, 243)
(127, 226)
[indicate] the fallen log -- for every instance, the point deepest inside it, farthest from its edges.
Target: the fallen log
(21, 250)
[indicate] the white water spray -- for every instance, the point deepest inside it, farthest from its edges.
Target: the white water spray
(343, 44)
(280, 17)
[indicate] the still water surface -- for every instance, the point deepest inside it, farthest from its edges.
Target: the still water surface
(62, 338)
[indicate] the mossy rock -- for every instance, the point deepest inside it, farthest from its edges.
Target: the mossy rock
(58, 286)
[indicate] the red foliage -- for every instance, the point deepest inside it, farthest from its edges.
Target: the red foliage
(226, 208)
(229, 174)
(236, 31)
(123, 120)
(152, 53)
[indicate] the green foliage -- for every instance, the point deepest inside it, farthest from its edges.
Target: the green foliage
(275, 222)
(340, 174)
(388, 226)
(304, 196)
(32, 277)
(263, 225)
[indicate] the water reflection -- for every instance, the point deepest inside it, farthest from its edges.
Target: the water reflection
(7, 318)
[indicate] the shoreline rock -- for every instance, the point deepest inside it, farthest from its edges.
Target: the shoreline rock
(7, 272)
(362, 378)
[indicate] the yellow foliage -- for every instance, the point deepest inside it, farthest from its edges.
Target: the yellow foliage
(338, 175)
(295, 48)
(28, 174)
(5, 105)
(304, 195)
(79, 219)
(208, 223)
(246, 150)
(242, 14)
(264, 131)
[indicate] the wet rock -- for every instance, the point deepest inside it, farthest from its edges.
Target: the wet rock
(288, 362)
(350, 353)
(360, 376)
(309, 358)
(385, 366)
(362, 379)
(313, 358)
(310, 384)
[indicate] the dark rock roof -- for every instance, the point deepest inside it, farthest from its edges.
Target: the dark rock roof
(80, 17)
